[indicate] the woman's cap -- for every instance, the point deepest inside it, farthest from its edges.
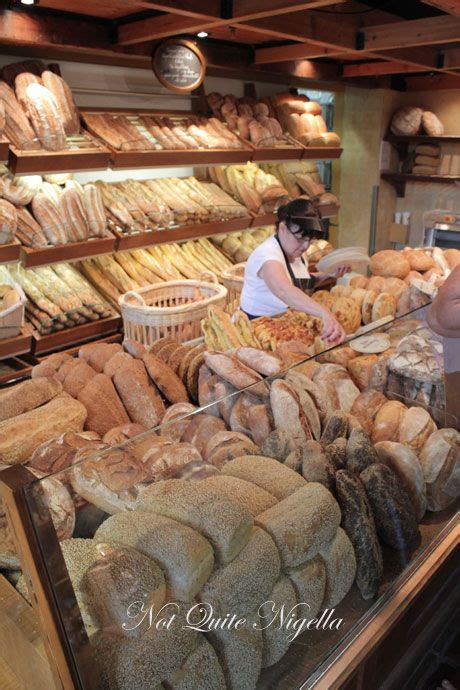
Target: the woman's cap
(305, 215)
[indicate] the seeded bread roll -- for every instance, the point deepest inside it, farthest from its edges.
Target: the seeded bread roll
(247, 494)
(358, 523)
(302, 524)
(240, 586)
(27, 396)
(185, 556)
(136, 664)
(275, 637)
(340, 564)
(119, 577)
(225, 523)
(200, 670)
(240, 653)
(309, 580)
(404, 462)
(267, 473)
(79, 555)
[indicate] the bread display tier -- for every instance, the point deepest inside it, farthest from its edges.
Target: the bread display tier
(44, 256)
(398, 180)
(19, 345)
(10, 252)
(4, 150)
(56, 340)
(253, 484)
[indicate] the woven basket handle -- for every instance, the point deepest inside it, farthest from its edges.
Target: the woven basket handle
(209, 275)
(136, 295)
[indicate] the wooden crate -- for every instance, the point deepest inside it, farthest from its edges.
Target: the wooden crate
(84, 152)
(290, 150)
(68, 252)
(19, 345)
(77, 334)
(10, 252)
(4, 150)
(318, 153)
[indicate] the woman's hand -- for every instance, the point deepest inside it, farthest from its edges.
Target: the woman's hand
(341, 271)
(332, 330)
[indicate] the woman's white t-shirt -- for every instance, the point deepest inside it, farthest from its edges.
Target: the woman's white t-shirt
(257, 298)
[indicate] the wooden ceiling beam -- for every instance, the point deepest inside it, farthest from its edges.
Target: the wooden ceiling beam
(373, 69)
(245, 10)
(450, 6)
(165, 25)
(433, 83)
(187, 8)
(303, 51)
(451, 58)
(415, 32)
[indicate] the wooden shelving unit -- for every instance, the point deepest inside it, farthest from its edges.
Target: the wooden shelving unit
(4, 150)
(19, 345)
(83, 152)
(68, 252)
(77, 334)
(10, 253)
(423, 139)
(398, 180)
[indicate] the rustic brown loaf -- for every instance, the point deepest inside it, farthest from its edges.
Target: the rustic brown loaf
(366, 406)
(263, 362)
(21, 435)
(64, 99)
(287, 411)
(164, 377)
(104, 408)
(43, 112)
(97, 354)
(389, 262)
(201, 429)
(75, 376)
(440, 461)
(73, 214)
(406, 121)
(140, 399)
(49, 218)
(17, 126)
(27, 396)
(8, 221)
(28, 230)
(165, 459)
(431, 124)
(404, 462)
(415, 427)
(387, 421)
(21, 82)
(360, 369)
(302, 524)
(235, 372)
(225, 523)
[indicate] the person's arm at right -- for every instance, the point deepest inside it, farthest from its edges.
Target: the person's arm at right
(444, 312)
(274, 275)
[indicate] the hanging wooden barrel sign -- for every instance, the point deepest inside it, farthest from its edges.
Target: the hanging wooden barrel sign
(179, 65)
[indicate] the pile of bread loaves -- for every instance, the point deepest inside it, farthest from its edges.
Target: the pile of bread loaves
(38, 106)
(302, 118)
(411, 120)
(259, 191)
(253, 119)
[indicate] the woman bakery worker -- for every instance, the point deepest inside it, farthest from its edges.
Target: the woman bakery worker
(276, 275)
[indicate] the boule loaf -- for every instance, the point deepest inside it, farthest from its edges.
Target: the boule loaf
(252, 497)
(276, 638)
(309, 581)
(119, 577)
(387, 421)
(104, 408)
(302, 524)
(165, 461)
(340, 565)
(225, 523)
(185, 556)
(358, 523)
(440, 461)
(43, 112)
(403, 460)
(415, 427)
(389, 262)
(267, 473)
(244, 583)
(201, 429)
(21, 435)
(176, 419)
(140, 399)
(366, 406)
(27, 395)
(122, 433)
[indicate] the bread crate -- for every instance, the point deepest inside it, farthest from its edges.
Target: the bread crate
(173, 309)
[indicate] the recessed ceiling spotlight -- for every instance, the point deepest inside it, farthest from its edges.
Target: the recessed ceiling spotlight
(29, 2)
(202, 34)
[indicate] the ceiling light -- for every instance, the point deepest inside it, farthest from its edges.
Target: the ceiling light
(202, 34)
(29, 2)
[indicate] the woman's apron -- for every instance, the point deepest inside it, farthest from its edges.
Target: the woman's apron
(304, 284)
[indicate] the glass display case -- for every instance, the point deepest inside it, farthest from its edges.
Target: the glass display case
(272, 538)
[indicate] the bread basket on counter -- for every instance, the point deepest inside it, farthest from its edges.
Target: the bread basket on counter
(233, 279)
(173, 309)
(12, 318)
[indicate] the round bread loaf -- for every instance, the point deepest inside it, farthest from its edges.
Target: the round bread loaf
(418, 260)
(415, 427)
(309, 581)
(360, 369)
(406, 465)
(347, 312)
(359, 282)
(384, 305)
(394, 286)
(276, 637)
(387, 421)
(389, 262)
(440, 461)
(376, 284)
(431, 124)
(366, 406)
(406, 121)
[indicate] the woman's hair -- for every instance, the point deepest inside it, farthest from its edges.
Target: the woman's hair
(293, 212)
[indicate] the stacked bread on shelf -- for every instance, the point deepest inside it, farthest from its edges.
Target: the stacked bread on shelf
(239, 245)
(257, 190)
(302, 178)
(159, 132)
(412, 120)
(40, 111)
(303, 120)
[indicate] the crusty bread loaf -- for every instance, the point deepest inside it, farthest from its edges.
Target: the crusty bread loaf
(387, 421)
(27, 395)
(21, 435)
(406, 121)
(431, 124)
(164, 377)
(64, 99)
(115, 361)
(104, 408)
(316, 390)
(119, 577)
(404, 462)
(340, 564)
(440, 461)
(360, 452)
(235, 372)
(278, 445)
(247, 494)
(302, 524)
(389, 262)
(97, 354)
(8, 221)
(360, 369)
(264, 363)
(267, 473)
(141, 400)
(43, 112)
(225, 523)
(313, 463)
(415, 427)
(277, 638)
(76, 375)
(287, 411)
(201, 429)
(185, 556)
(242, 585)
(165, 461)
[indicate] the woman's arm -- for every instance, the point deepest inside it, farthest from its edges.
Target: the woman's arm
(277, 280)
(444, 313)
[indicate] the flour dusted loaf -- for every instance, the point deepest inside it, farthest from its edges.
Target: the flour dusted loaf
(278, 444)
(302, 524)
(247, 494)
(404, 462)
(225, 523)
(242, 585)
(140, 399)
(266, 473)
(200, 670)
(389, 262)
(358, 523)
(407, 121)
(104, 408)
(309, 580)
(240, 653)
(119, 577)
(340, 565)
(415, 427)
(440, 461)
(185, 557)
(275, 637)
(360, 452)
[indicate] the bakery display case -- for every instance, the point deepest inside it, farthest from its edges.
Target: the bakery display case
(150, 557)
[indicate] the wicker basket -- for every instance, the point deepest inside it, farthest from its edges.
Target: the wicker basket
(233, 279)
(173, 309)
(12, 319)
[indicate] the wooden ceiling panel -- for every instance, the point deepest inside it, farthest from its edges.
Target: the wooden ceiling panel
(450, 6)
(416, 32)
(107, 9)
(238, 34)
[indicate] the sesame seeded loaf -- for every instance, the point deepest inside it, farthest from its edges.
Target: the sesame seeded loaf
(267, 473)
(340, 564)
(247, 494)
(309, 581)
(201, 671)
(225, 523)
(240, 653)
(302, 524)
(275, 637)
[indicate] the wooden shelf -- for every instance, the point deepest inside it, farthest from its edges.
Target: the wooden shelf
(75, 335)
(68, 252)
(84, 152)
(398, 180)
(10, 347)
(322, 153)
(155, 159)
(10, 253)
(424, 139)
(4, 150)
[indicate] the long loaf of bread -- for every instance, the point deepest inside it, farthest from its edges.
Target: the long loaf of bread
(64, 99)
(43, 112)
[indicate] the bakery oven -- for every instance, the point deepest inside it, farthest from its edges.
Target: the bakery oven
(441, 229)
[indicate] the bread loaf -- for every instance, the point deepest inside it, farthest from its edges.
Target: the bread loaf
(247, 494)
(63, 96)
(200, 670)
(42, 110)
(95, 211)
(389, 262)
(8, 221)
(431, 124)
(440, 461)
(165, 461)
(366, 406)
(225, 523)
(17, 126)
(185, 556)
(240, 653)
(277, 638)
(242, 585)
(360, 452)
(201, 429)
(309, 580)
(287, 412)
(406, 121)
(340, 565)
(235, 372)
(57, 454)
(387, 421)
(119, 577)
(314, 463)
(358, 523)
(27, 396)
(76, 375)
(119, 359)
(258, 360)
(384, 305)
(140, 399)
(73, 214)
(21, 435)
(316, 390)
(415, 427)
(266, 473)
(104, 408)
(49, 218)
(336, 426)
(405, 464)
(360, 369)
(302, 524)
(278, 445)
(176, 420)
(164, 377)
(79, 555)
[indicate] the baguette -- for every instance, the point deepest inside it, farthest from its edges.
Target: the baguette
(49, 218)
(66, 105)
(95, 212)
(28, 230)
(42, 109)
(73, 212)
